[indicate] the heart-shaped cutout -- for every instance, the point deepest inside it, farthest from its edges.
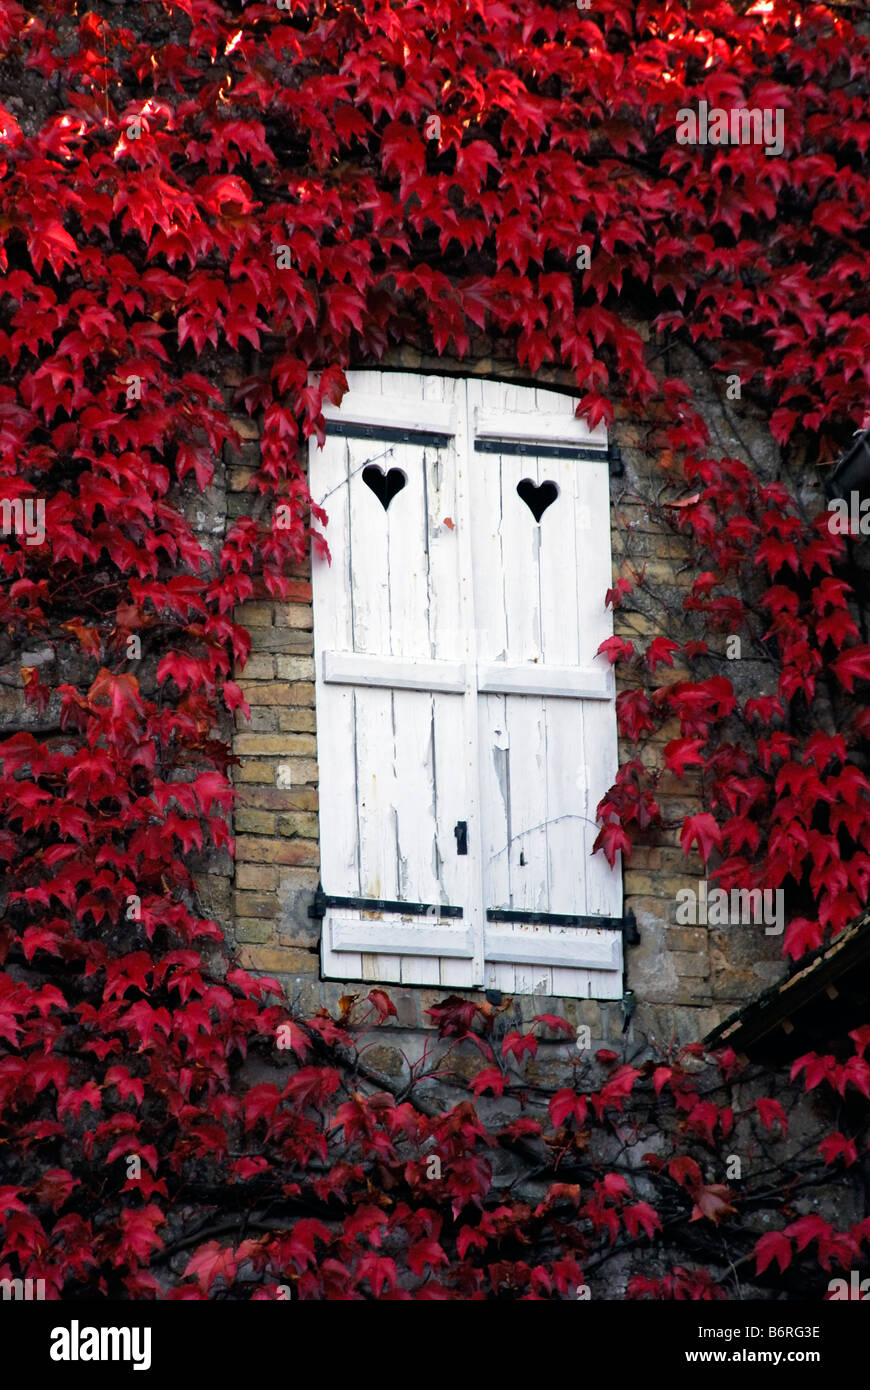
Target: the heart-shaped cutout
(384, 485)
(537, 496)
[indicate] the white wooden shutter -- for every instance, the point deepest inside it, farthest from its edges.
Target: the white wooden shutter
(547, 721)
(391, 658)
(457, 684)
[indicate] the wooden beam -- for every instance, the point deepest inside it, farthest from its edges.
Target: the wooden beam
(538, 426)
(400, 938)
(570, 682)
(539, 946)
(395, 672)
(395, 411)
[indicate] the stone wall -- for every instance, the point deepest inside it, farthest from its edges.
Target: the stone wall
(685, 979)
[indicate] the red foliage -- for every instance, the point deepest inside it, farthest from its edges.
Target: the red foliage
(269, 181)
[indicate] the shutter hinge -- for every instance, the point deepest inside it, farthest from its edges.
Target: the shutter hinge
(630, 933)
(627, 924)
(614, 456)
(321, 901)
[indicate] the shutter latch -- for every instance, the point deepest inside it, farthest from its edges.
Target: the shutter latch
(460, 830)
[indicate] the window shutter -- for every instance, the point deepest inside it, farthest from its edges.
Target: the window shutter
(466, 728)
(390, 686)
(541, 543)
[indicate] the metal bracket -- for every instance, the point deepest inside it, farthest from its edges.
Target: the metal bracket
(348, 429)
(626, 924)
(321, 901)
(630, 933)
(521, 448)
(460, 830)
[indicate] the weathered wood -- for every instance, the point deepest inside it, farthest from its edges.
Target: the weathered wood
(440, 939)
(464, 522)
(396, 673)
(574, 682)
(570, 946)
(456, 589)
(363, 408)
(537, 426)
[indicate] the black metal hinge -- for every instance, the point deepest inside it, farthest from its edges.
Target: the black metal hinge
(348, 429)
(522, 448)
(626, 924)
(534, 449)
(322, 901)
(630, 933)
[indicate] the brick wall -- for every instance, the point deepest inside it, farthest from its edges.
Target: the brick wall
(685, 979)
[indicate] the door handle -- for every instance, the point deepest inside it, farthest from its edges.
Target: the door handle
(460, 830)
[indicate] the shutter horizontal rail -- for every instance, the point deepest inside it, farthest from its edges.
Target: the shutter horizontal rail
(388, 433)
(530, 947)
(384, 937)
(396, 672)
(391, 413)
(539, 427)
(502, 678)
(497, 678)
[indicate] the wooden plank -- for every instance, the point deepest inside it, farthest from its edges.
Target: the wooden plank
(408, 536)
(593, 565)
(414, 413)
(491, 646)
(429, 842)
(485, 499)
(535, 426)
(544, 946)
(600, 758)
(368, 550)
(560, 639)
(447, 643)
(471, 760)
(394, 672)
(509, 584)
(329, 470)
(495, 794)
(573, 682)
(528, 845)
(438, 937)
(451, 801)
(413, 808)
(369, 586)
(521, 541)
(414, 812)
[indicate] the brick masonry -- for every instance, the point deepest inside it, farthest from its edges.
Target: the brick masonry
(685, 979)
